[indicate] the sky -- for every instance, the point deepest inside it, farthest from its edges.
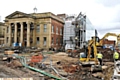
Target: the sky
(103, 14)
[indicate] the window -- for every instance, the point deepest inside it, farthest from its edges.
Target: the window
(38, 40)
(57, 30)
(52, 29)
(52, 41)
(60, 31)
(7, 40)
(38, 28)
(45, 41)
(45, 27)
(56, 41)
(12, 40)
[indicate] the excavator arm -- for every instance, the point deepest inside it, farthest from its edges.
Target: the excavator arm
(105, 36)
(92, 45)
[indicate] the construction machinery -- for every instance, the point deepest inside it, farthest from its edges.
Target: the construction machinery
(89, 56)
(106, 36)
(90, 53)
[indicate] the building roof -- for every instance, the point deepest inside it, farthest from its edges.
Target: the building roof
(18, 14)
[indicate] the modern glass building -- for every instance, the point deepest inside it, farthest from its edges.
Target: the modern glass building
(77, 31)
(84, 30)
(90, 30)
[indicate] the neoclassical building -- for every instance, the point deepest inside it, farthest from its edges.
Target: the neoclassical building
(43, 30)
(2, 33)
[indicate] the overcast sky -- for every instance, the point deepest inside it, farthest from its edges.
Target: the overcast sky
(103, 14)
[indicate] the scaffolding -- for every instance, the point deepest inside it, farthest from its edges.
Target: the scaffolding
(84, 30)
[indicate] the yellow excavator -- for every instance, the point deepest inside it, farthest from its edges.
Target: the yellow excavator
(106, 36)
(89, 56)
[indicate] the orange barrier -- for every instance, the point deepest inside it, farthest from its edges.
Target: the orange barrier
(36, 58)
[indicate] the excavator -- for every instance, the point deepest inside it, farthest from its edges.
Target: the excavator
(106, 36)
(89, 56)
(91, 49)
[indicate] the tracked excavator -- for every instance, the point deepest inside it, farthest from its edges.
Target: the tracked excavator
(89, 56)
(93, 44)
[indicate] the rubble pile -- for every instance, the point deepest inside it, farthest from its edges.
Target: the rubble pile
(107, 54)
(58, 64)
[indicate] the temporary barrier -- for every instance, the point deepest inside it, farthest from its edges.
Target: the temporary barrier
(23, 61)
(36, 58)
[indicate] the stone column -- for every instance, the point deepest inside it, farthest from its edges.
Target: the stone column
(15, 34)
(21, 33)
(5, 36)
(28, 34)
(9, 35)
(34, 37)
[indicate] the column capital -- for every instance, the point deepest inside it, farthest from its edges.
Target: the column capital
(15, 23)
(8, 24)
(21, 23)
(28, 22)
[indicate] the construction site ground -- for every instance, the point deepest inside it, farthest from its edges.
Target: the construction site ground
(57, 64)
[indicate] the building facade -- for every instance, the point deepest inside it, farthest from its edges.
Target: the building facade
(43, 30)
(84, 30)
(69, 33)
(2, 29)
(77, 30)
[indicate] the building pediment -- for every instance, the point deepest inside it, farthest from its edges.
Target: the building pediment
(18, 14)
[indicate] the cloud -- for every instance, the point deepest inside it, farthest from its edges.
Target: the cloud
(103, 14)
(108, 3)
(108, 26)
